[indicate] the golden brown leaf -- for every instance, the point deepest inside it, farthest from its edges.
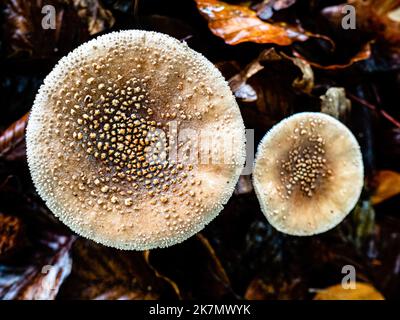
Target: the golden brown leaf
(363, 291)
(388, 185)
(238, 23)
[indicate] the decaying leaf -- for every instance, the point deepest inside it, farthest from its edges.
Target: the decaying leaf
(363, 291)
(41, 275)
(105, 273)
(387, 186)
(335, 103)
(238, 23)
(10, 233)
(97, 17)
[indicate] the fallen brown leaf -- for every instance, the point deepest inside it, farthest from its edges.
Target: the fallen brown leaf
(238, 23)
(13, 136)
(387, 186)
(42, 275)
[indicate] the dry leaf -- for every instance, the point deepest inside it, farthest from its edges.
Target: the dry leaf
(363, 291)
(387, 186)
(238, 23)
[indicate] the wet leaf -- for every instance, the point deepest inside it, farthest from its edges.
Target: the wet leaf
(104, 273)
(363, 291)
(387, 186)
(265, 10)
(41, 273)
(238, 23)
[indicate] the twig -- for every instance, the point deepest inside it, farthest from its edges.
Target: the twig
(374, 108)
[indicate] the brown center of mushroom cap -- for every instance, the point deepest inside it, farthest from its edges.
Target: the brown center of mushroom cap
(305, 165)
(113, 123)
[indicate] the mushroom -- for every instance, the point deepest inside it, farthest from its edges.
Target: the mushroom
(104, 146)
(308, 173)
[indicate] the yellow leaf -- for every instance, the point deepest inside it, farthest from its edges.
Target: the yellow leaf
(363, 291)
(388, 185)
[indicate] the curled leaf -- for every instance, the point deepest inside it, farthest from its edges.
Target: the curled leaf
(362, 291)
(244, 90)
(387, 186)
(13, 135)
(238, 23)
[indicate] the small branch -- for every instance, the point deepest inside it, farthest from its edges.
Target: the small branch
(374, 108)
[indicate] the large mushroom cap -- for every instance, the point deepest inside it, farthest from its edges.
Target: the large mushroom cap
(308, 173)
(105, 148)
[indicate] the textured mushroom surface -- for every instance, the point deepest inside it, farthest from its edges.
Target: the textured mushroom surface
(105, 148)
(308, 173)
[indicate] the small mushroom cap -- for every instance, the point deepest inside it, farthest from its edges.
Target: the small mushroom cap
(308, 173)
(105, 146)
